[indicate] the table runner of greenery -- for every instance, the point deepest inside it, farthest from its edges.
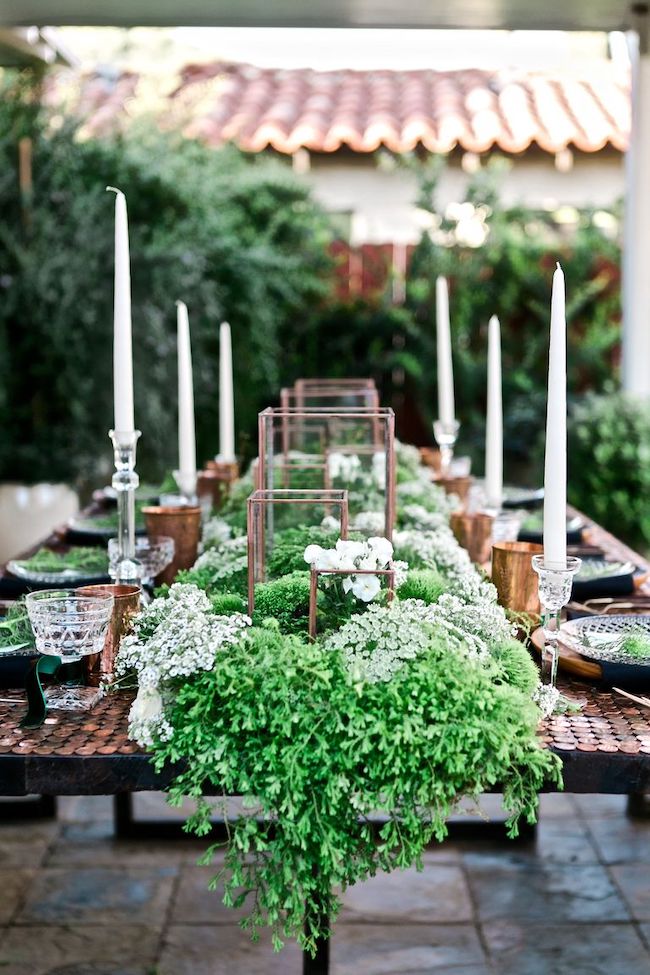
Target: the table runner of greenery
(401, 708)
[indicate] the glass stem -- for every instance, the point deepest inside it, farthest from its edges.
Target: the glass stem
(446, 456)
(550, 627)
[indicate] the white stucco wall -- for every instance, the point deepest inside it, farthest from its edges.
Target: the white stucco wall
(383, 200)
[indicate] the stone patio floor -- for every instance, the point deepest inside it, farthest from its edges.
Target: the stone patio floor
(575, 901)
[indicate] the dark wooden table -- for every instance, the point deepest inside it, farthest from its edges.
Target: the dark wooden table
(605, 748)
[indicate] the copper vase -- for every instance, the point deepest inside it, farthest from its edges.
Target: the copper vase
(183, 524)
(514, 576)
(126, 603)
(455, 485)
(474, 533)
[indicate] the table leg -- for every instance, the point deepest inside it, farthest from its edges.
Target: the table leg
(38, 807)
(638, 805)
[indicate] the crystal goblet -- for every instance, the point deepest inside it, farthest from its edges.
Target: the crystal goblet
(69, 626)
(555, 584)
(154, 553)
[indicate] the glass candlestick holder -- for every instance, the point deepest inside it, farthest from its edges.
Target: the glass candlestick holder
(187, 481)
(446, 435)
(125, 483)
(555, 584)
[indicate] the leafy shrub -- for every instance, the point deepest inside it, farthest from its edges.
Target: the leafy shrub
(609, 464)
(288, 553)
(237, 237)
(225, 604)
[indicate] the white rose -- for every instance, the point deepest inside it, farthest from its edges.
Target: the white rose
(366, 587)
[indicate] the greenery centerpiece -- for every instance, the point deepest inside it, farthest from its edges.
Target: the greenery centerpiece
(400, 708)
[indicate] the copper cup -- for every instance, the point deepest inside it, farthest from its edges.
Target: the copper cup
(474, 533)
(211, 485)
(514, 576)
(430, 457)
(455, 485)
(183, 524)
(126, 603)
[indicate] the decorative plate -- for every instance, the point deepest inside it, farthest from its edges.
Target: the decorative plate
(516, 497)
(102, 526)
(23, 571)
(601, 637)
(593, 569)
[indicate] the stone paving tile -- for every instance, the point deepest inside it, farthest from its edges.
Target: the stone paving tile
(437, 894)
(634, 881)
(597, 805)
(25, 844)
(73, 809)
(507, 888)
(411, 949)
(14, 885)
(93, 844)
(621, 840)
(79, 950)
(555, 949)
(195, 904)
(223, 950)
(99, 896)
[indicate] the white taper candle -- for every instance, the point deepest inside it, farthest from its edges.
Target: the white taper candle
(226, 402)
(186, 433)
(122, 351)
(444, 361)
(494, 427)
(555, 458)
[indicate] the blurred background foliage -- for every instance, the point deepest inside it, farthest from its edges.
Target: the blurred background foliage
(239, 238)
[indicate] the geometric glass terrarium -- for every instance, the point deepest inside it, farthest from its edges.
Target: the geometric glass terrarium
(272, 511)
(347, 448)
(330, 395)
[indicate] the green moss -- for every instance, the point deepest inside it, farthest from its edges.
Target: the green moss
(225, 604)
(285, 600)
(636, 645)
(425, 584)
(516, 664)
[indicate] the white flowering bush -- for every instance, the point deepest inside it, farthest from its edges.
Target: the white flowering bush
(174, 637)
(215, 532)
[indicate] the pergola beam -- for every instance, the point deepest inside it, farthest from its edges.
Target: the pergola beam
(606, 15)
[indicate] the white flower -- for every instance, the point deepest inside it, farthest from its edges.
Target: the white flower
(366, 587)
(330, 523)
(351, 550)
(369, 522)
(343, 467)
(381, 549)
(379, 470)
(147, 706)
(215, 532)
(328, 559)
(312, 553)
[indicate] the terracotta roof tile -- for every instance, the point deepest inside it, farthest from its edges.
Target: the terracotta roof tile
(323, 111)
(363, 110)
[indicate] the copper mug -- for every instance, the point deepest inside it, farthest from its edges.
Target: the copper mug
(474, 533)
(183, 524)
(126, 603)
(514, 577)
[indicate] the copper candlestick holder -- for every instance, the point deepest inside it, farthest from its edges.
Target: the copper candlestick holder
(514, 577)
(455, 485)
(474, 533)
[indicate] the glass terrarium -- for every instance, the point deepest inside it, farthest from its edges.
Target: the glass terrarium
(336, 587)
(330, 395)
(348, 448)
(271, 511)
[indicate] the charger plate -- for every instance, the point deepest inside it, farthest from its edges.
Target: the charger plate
(607, 666)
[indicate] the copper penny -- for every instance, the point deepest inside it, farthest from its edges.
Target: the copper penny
(564, 746)
(629, 747)
(605, 747)
(586, 747)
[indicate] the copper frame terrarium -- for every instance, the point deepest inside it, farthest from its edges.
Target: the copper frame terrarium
(262, 524)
